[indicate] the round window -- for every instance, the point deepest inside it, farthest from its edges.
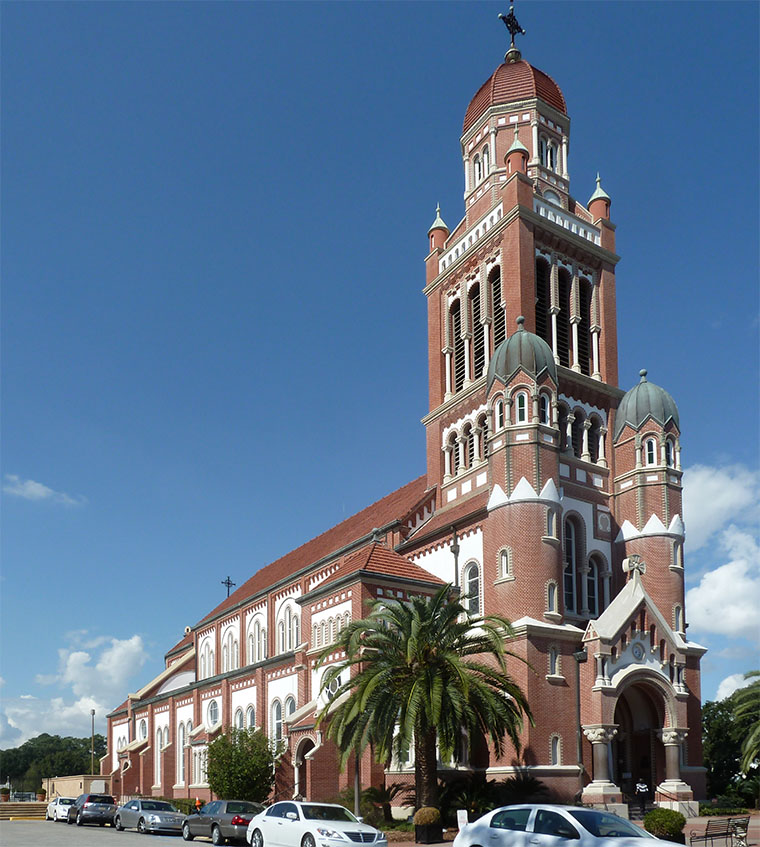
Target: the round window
(638, 651)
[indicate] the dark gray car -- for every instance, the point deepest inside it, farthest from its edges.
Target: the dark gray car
(221, 819)
(148, 816)
(92, 808)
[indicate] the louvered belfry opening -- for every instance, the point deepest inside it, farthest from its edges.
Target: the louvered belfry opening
(563, 319)
(478, 336)
(584, 327)
(542, 301)
(499, 318)
(459, 345)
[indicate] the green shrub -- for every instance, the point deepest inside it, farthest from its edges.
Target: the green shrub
(186, 805)
(427, 815)
(664, 823)
(716, 811)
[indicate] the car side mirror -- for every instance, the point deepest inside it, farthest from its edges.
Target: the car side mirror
(291, 816)
(360, 818)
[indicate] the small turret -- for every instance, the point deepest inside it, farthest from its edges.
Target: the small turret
(517, 156)
(438, 232)
(599, 202)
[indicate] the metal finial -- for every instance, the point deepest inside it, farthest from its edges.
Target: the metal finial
(514, 28)
(643, 374)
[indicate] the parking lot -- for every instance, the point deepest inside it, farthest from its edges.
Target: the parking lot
(49, 834)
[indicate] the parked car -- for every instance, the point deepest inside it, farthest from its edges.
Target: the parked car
(542, 824)
(221, 819)
(58, 809)
(148, 816)
(300, 824)
(92, 808)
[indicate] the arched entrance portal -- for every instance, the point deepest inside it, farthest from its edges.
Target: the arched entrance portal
(637, 750)
(301, 788)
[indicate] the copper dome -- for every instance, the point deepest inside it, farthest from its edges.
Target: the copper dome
(511, 82)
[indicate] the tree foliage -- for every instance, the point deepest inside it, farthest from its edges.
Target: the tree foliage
(241, 764)
(747, 711)
(422, 672)
(48, 755)
(721, 744)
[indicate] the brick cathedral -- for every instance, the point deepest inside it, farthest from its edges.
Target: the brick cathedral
(551, 496)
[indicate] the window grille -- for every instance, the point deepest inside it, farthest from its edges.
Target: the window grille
(499, 318)
(563, 319)
(584, 327)
(459, 347)
(543, 301)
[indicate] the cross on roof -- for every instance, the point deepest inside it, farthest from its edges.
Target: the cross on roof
(229, 583)
(514, 28)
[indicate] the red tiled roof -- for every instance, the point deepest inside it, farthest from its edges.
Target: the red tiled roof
(376, 558)
(510, 82)
(394, 506)
(185, 642)
(444, 518)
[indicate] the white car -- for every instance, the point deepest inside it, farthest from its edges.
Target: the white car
(544, 825)
(292, 824)
(58, 809)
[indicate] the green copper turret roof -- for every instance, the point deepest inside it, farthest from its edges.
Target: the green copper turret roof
(438, 223)
(600, 193)
(645, 400)
(523, 350)
(517, 145)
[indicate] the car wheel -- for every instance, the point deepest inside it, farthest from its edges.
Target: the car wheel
(257, 839)
(308, 840)
(217, 837)
(117, 824)
(186, 834)
(80, 822)
(141, 826)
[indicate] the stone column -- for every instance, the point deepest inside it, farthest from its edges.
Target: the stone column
(601, 790)
(585, 452)
(569, 433)
(448, 375)
(601, 459)
(447, 462)
(462, 447)
(534, 132)
(674, 793)
(564, 157)
(476, 434)
(535, 409)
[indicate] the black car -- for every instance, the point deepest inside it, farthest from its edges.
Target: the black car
(92, 808)
(221, 819)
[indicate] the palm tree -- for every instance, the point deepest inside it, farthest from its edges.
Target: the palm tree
(422, 672)
(747, 706)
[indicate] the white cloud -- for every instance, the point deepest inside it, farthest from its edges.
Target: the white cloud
(94, 679)
(730, 684)
(715, 496)
(28, 489)
(727, 598)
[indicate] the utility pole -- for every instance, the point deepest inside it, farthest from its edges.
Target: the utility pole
(92, 743)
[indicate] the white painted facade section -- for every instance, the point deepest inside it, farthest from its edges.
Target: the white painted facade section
(177, 681)
(440, 560)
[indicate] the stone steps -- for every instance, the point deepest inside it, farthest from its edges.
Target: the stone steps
(23, 810)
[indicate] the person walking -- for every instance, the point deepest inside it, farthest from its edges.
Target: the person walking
(642, 792)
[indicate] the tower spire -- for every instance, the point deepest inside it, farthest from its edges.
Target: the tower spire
(514, 28)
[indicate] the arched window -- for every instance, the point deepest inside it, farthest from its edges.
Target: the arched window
(213, 713)
(553, 662)
(157, 758)
(563, 318)
(471, 584)
(225, 659)
(544, 148)
(239, 719)
(556, 750)
(572, 558)
(592, 587)
(483, 440)
(578, 427)
(498, 415)
(670, 453)
(662, 649)
(276, 727)
(478, 332)
(551, 597)
(499, 317)
(650, 451)
(593, 439)
(505, 563)
(143, 730)
(477, 166)
(323, 633)
(290, 706)
(469, 445)
(181, 754)
(263, 643)
(584, 326)
(295, 627)
(281, 637)
(486, 161)
(315, 635)
(251, 652)
(544, 408)
(551, 523)
(250, 717)
(459, 345)
(652, 637)
(678, 619)
(521, 408)
(543, 301)
(454, 453)
(256, 652)
(678, 554)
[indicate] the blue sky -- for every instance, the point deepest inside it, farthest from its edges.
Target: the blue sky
(213, 231)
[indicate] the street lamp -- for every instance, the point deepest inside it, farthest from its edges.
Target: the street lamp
(92, 743)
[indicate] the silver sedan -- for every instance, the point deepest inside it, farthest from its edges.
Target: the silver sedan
(540, 825)
(148, 816)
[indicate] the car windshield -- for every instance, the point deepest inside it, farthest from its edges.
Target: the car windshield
(99, 798)
(157, 806)
(243, 808)
(65, 801)
(606, 825)
(313, 812)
